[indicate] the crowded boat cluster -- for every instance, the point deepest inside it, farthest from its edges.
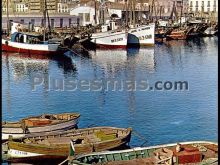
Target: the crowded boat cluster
(57, 137)
(112, 36)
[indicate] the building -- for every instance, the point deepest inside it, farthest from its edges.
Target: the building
(36, 6)
(21, 7)
(203, 6)
(164, 8)
(64, 6)
(56, 20)
(86, 11)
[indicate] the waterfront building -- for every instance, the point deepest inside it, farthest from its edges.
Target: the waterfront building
(86, 12)
(203, 5)
(204, 8)
(61, 20)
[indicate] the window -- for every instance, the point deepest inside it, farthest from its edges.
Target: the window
(87, 17)
(214, 9)
(61, 22)
(197, 4)
(22, 21)
(197, 9)
(208, 4)
(191, 3)
(42, 22)
(52, 23)
(208, 9)
(214, 4)
(202, 3)
(70, 22)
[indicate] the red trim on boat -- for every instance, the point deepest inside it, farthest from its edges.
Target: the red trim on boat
(102, 46)
(8, 48)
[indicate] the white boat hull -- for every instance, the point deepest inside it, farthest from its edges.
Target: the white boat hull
(12, 153)
(142, 36)
(17, 133)
(110, 39)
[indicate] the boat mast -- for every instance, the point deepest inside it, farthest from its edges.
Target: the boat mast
(48, 19)
(181, 13)
(95, 13)
(44, 15)
(133, 12)
(8, 26)
(126, 13)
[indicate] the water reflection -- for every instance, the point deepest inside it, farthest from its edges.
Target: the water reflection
(142, 58)
(24, 66)
(115, 61)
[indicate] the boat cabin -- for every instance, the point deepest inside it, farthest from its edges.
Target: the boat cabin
(26, 38)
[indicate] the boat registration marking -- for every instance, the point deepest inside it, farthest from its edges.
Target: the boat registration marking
(117, 40)
(145, 37)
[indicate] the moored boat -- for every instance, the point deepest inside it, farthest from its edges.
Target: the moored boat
(142, 35)
(210, 31)
(177, 35)
(39, 124)
(57, 146)
(31, 44)
(196, 152)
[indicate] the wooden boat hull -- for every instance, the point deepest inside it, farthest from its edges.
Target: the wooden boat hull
(147, 155)
(179, 35)
(19, 151)
(37, 49)
(110, 40)
(18, 132)
(141, 36)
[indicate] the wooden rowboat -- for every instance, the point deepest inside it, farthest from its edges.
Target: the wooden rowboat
(39, 124)
(196, 153)
(58, 146)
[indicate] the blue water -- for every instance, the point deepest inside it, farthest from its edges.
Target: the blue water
(158, 116)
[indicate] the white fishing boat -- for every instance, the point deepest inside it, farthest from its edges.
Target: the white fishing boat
(142, 35)
(39, 124)
(210, 31)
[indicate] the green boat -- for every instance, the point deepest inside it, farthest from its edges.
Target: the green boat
(190, 153)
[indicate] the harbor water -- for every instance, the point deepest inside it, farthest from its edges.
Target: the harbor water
(159, 116)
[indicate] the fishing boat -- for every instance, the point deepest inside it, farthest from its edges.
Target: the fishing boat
(39, 124)
(110, 39)
(57, 146)
(29, 43)
(177, 34)
(210, 31)
(22, 42)
(196, 152)
(142, 35)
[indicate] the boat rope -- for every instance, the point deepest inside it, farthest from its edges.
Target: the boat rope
(91, 125)
(64, 161)
(141, 137)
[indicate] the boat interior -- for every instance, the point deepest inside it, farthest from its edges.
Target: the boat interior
(197, 153)
(79, 136)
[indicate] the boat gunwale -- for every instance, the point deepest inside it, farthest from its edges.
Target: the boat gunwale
(143, 148)
(76, 132)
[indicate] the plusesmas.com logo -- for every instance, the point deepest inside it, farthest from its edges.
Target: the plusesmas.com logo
(71, 84)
